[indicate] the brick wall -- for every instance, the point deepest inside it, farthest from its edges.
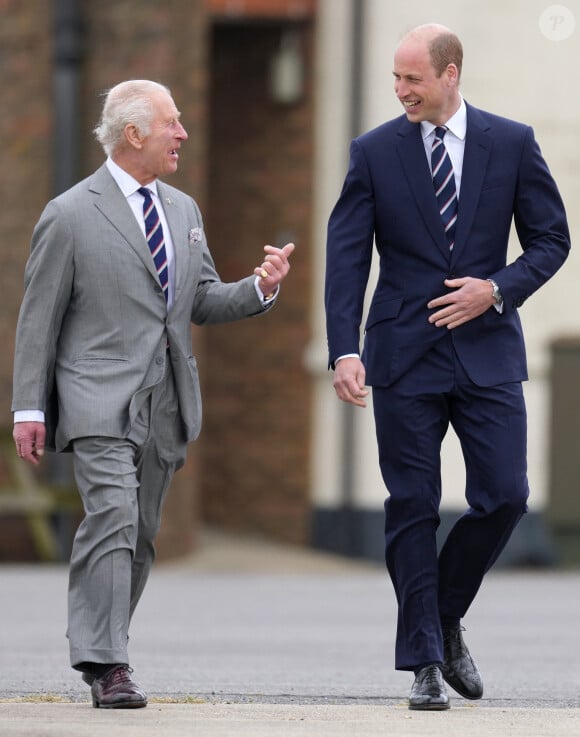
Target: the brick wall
(25, 185)
(162, 41)
(251, 177)
(25, 158)
(165, 42)
(255, 440)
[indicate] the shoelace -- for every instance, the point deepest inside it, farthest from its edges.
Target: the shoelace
(121, 674)
(431, 675)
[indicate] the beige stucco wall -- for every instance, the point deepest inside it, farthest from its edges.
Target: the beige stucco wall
(514, 65)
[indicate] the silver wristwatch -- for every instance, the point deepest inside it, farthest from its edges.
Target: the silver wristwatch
(496, 293)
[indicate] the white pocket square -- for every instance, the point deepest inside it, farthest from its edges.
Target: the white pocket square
(195, 235)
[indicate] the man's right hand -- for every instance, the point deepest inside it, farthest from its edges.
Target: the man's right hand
(349, 381)
(29, 438)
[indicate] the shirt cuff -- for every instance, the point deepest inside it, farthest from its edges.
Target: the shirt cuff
(28, 415)
(261, 294)
(346, 355)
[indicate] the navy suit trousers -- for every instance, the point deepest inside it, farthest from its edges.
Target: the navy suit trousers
(412, 417)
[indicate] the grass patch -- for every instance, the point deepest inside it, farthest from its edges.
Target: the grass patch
(50, 698)
(41, 698)
(177, 700)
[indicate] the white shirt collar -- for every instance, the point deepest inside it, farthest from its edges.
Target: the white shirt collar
(457, 123)
(127, 184)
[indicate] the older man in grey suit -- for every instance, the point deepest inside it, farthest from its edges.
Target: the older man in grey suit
(119, 269)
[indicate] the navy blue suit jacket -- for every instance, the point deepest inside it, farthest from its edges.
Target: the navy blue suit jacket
(388, 197)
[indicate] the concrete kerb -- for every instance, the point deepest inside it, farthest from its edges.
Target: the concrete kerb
(271, 720)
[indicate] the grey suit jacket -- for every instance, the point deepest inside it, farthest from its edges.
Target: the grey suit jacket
(93, 329)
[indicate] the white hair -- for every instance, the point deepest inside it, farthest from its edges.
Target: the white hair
(127, 102)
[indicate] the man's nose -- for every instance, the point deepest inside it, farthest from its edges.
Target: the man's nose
(182, 133)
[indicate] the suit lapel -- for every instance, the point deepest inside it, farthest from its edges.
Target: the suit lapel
(114, 206)
(478, 145)
(411, 151)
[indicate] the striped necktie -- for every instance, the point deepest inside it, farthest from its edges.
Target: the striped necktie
(155, 239)
(444, 183)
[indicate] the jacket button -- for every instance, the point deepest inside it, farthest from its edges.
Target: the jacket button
(159, 360)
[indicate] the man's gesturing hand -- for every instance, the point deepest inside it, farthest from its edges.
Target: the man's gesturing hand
(274, 267)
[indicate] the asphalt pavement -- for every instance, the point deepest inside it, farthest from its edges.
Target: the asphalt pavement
(249, 638)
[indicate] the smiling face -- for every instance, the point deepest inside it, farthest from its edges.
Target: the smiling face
(423, 94)
(156, 154)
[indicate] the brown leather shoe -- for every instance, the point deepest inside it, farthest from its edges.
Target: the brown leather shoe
(116, 690)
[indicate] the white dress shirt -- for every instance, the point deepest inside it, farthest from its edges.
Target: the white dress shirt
(129, 187)
(454, 141)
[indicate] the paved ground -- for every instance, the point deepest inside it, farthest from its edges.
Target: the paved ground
(248, 638)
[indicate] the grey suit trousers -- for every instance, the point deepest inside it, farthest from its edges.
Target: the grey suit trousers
(122, 483)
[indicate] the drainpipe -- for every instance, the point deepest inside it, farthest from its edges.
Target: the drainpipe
(348, 423)
(68, 47)
(68, 54)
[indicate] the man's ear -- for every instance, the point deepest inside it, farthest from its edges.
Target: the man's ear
(452, 74)
(133, 136)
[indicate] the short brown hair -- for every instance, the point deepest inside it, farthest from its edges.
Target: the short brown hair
(445, 49)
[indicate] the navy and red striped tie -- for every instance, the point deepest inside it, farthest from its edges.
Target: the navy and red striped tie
(444, 183)
(155, 239)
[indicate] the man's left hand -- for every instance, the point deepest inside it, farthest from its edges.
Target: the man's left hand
(471, 298)
(274, 267)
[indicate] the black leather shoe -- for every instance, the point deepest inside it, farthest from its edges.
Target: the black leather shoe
(428, 692)
(116, 690)
(458, 667)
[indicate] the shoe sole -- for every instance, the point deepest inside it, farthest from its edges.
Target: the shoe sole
(120, 705)
(430, 707)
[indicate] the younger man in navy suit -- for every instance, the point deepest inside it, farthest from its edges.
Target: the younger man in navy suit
(437, 190)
